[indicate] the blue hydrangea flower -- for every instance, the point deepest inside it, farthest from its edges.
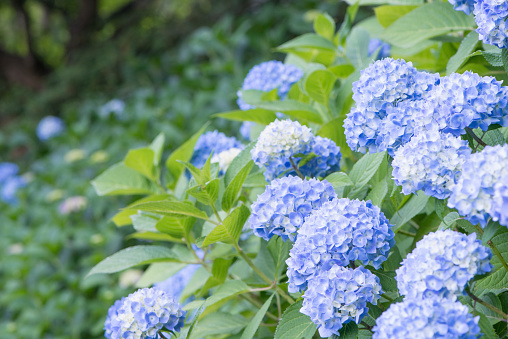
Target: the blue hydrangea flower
(114, 106)
(382, 85)
(340, 295)
(50, 127)
(225, 158)
(9, 189)
(490, 16)
(384, 48)
(427, 318)
(142, 314)
(285, 204)
(339, 232)
(441, 265)
(175, 284)
(469, 100)
(209, 142)
(499, 208)
(431, 161)
(7, 170)
(326, 161)
(465, 6)
(472, 195)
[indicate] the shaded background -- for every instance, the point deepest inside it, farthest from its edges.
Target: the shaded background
(172, 63)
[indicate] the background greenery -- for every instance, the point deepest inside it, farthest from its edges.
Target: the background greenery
(173, 64)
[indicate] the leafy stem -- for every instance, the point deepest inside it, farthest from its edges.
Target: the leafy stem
(486, 304)
(498, 254)
(297, 170)
(475, 137)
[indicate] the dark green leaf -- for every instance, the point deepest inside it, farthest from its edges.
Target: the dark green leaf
(251, 329)
(295, 325)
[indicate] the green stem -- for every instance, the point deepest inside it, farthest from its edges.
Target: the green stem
(296, 168)
(489, 306)
(498, 254)
(388, 298)
(258, 305)
(367, 326)
(475, 137)
(216, 214)
(407, 233)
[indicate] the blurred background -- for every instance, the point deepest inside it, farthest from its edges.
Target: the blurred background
(112, 74)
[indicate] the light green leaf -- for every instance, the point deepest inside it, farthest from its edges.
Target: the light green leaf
(141, 160)
(156, 146)
(496, 281)
(139, 255)
(386, 279)
(425, 22)
(219, 274)
(384, 2)
(227, 290)
(207, 195)
(387, 15)
(144, 223)
(177, 227)
(122, 180)
(357, 47)
(123, 217)
(324, 25)
(339, 179)
(299, 110)
(493, 57)
(218, 324)
(251, 329)
(308, 41)
(158, 272)
(295, 324)
(504, 58)
(235, 187)
(463, 53)
(342, 71)
(230, 229)
(261, 116)
(319, 84)
(238, 164)
(449, 221)
(279, 250)
(171, 208)
(378, 193)
(364, 170)
(334, 131)
(413, 207)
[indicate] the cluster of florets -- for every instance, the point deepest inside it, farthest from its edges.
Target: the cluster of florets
(442, 264)
(143, 314)
(383, 48)
(175, 284)
(473, 194)
(469, 100)
(285, 204)
(465, 6)
(10, 182)
(426, 319)
(267, 76)
(384, 84)
(431, 161)
(225, 158)
(499, 208)
(339, 232)
(114, 106)
(72, 204)
(340, 295)
(216, 142)
(491, 16)
(50, 127)
(282, 144)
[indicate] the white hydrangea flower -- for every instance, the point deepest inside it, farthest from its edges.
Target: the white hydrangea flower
(225, 158)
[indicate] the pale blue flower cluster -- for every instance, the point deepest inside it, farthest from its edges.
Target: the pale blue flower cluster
(442, 264)
(465, 6)
(339, 232)
(431, 161)
(285, 204)
(175, 284)
(384, 48)
(9, 188)
(491, 16)
(499, 208)
(340, 295)
(7, 170)
(143, 314)
(50, 127)
(282, 140)
(384, 84)
(114, 106)
(209, 142)
(473, 194)
(426, 319)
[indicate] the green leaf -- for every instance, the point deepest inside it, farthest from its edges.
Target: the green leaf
(219, 274)
(339, 179)
(261, 116)
(156, 146)
(299, 110)
(344, 94)
(182, 153)
(158, 272)
(425, 22)
(386, 279)
(357, 47)
(319, 84)
(226, 291)
(489, 231)
(342, 71)
(295, 324)
(504, 58)
(251, 329)
(387, 15)
(218, 324)
(486, 327)
(122, 180)
(207, 195)
(177, 227)
(138, 255)
(141, 160)
(238, 164)
(235, 187)
(496, 281)
(308, 41)
(378, 193)
(279, 250)
(383, 2)
(413, 207)
(230, 229)
(171, 208)
(123, 217)
(349, 331)
(142, 223)
(449, 221)
(364, 170)
(493, 57)
(463, 53)
(325, 26)
(334, 131)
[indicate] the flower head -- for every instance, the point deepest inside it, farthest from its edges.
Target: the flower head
(216, 142)
(326, 160)
(9, 189)
(465, 6)
(431, 161)
(72, 204)
(7, 170)
(340, 295)
(175, 284)
(442, 264)
(490, 16)
(499, 207)
(384, 48)
(225, 158)
(143, 314)
(285, 204)
(427, 318)
(49, 127)
(114, 106)
(473, 194)
(339, 232)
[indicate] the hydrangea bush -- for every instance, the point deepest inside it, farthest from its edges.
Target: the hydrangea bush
(375, 207)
